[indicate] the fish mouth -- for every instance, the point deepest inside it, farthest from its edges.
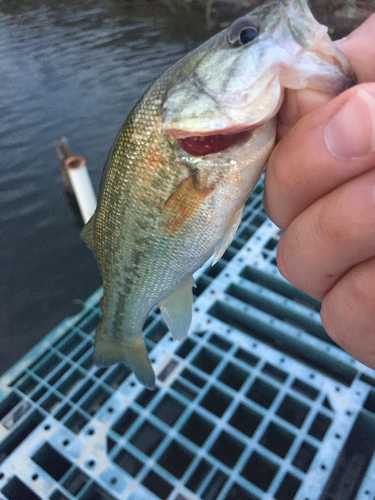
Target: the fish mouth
(203, 145)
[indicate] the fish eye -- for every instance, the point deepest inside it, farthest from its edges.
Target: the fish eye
(243, 32)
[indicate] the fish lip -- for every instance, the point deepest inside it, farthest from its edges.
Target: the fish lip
(183, 134)
(348, 78)
(236, 128)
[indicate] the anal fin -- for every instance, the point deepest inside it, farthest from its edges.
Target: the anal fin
(228, 235)
(109, 351)
(177, 310)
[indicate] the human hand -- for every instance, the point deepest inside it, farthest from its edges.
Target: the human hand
(320, 188)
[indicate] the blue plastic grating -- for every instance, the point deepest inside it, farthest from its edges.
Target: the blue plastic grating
(258, 402)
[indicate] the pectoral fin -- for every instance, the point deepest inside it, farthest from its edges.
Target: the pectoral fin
(134, 353)
(177, 310)
(183, 203)
(228, 235)
(87, 233)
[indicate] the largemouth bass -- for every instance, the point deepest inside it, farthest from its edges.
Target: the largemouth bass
(185, 161)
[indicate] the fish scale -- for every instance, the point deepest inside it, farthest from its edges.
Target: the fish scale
(185, 161)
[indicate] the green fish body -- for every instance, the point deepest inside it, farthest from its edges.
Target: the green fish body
(185, 161)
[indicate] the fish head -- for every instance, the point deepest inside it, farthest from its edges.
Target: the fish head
(235, 81)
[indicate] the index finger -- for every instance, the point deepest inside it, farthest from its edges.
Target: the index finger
(326, 148)
(359, 48)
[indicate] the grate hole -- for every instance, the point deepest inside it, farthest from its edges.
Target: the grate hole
(76, 422)
(116, 377)
(63, 411)
(216, 401)
(125, 421)
(293, 411)
(197, 429)
(146, 397)
(168, 370)
(8, 404)
(59, 374)
(279, 286)
(128, 462)
(304, 456)
(81, 352)
(245, 420)
(370, 402)
(367, 379)
(288, 487)
(238, 493)
(305, 389)
(15, 489)
(69, 344)
(39, 394)
(57, 495)
(247, 357)
(219, 342)
(95, 401)
(28, 385)
(271, 244)
(193, 378)
(199, 475)
(110, 444)
(186, 347)
(51, 461)
(216, 269)
(247, 232)
(176, 459)
(233, 376)
(89, 324)
(262, 393)
(206, 360)
(227, 449)
(147, 438)
(277, 439)
(19, 411)
(8, 445)
(75, 481)
(169, 410)
(202, 283)
(327, 404)
(185, 391)
(159, 486)
(71, 381)
(320, 426)
(216, 485)
(95, 492)
(274, 372)
(157, 332)
(49, 363)
(82, 391)
(259, 471)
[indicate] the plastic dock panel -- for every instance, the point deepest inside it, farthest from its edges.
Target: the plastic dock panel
(257, 404)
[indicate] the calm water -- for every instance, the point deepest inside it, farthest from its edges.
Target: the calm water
(68, 72)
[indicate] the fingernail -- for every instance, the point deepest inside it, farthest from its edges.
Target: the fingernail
(350, 133)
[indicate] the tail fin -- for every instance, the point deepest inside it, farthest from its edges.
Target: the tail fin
(109, 351)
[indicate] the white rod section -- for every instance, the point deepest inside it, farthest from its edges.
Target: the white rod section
(82, 187)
